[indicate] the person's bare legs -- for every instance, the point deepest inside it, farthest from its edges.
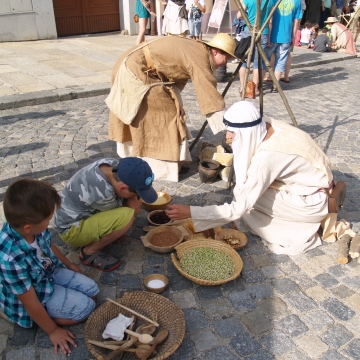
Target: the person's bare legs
(142, 28)
(287, 68)
(272, 62)
(106, 240)
(242, 73)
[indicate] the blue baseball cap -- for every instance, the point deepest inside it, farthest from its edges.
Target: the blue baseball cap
(137, 174)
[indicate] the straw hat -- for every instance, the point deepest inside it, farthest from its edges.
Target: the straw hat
(331, 20)
(223, 42)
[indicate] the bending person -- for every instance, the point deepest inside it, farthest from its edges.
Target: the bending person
(146, 114)
(281, 179)
(342, 37)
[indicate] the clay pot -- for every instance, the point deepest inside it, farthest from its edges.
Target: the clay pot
(209, 170)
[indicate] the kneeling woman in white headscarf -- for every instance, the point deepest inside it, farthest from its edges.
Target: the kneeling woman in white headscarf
(281, 175)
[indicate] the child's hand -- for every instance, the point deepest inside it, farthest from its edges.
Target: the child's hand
(60, 338)
(75, 268)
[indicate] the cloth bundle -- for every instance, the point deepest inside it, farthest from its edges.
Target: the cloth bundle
(115, 328)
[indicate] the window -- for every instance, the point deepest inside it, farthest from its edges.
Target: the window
(15, 6)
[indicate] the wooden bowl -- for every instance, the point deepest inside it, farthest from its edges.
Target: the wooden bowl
(235, 234)
(155, 224)
(157, 290)
(158, 204)
(146, 240)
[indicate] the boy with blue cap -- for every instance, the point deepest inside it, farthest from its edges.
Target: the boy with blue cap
(99, 204)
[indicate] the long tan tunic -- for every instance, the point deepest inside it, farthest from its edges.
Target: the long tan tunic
(158, 130)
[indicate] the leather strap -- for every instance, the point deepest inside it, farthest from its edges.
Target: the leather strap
(148, 59)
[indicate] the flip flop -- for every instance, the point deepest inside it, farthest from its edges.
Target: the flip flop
(267, 80)
(274, 90)
(99, 261)
(285, 81)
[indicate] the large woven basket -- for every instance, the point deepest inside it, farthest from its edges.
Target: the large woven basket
(215, 244)
(156, 307)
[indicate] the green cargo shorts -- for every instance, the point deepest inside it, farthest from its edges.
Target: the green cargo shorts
(96, 226)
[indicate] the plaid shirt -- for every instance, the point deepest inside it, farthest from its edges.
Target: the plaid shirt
(21, 269)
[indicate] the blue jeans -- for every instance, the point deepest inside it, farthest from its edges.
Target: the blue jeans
(254, 58)
(281, 54)
(72, 294)
(194, 28)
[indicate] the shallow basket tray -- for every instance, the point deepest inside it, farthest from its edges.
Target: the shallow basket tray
(156, 307)
(206, 243)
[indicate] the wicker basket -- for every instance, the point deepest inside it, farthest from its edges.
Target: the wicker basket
(243, 240)
(214, 244)
(169, 316)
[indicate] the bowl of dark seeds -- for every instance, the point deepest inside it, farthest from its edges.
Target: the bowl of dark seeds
(158, 217)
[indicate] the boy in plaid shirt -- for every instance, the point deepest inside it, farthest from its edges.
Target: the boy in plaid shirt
(38, 283)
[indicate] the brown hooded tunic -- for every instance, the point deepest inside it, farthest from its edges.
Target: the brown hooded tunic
(158, 129)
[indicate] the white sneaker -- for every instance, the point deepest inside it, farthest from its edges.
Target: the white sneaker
(235, 61)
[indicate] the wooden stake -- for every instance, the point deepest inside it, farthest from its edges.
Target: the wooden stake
(343, 249)
(134, 312)
(354, 251)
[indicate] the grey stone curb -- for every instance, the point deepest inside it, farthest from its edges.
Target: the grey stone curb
(50, 96)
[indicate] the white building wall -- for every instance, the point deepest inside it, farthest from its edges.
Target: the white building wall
(27, 20)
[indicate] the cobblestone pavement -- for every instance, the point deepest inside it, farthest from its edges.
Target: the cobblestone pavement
(282, 307)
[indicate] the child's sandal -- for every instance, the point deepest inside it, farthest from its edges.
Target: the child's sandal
(99, 260)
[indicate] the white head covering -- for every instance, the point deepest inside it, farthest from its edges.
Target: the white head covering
(244, 119)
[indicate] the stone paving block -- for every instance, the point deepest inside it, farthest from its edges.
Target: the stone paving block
(48, 354)
(259, 291)
(133, 267)
(220, 352)
(184, 299)
(130, 282)
(300, 301)
(195, 320)
(244, 344)
(114, 277)
(6, 327)
(318, 293)
(272, 271)
(228, 327)
(252, 276)
(179, 282)
(261, 355)
(317, 319)
(278, 259)
(312, 268)
(273, 307)
(332, 355)
(261, 260)
(337, 271)
(186, 350)
(326, 280)
(254, 247)
(237, 284)
(284, 285)
(256, 322)
(3, 342)
(352, 282)
(311, 345)
(105, 292)
(353, 349)
(23, 336)
(278, 343)
(337, 336)
(155, 269)
(304, 281)
(209, 292)
(242, 301)
(342, 291)
(314, 252)
(21, 354)
(292, 325)
(204, 340)
(353, 324)
(218, 308)
(337, 309)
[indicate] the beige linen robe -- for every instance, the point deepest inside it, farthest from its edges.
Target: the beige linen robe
(343, 39)
(158, 130)
(279, 201)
